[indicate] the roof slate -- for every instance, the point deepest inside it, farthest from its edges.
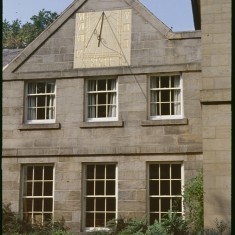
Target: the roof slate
(8, 55)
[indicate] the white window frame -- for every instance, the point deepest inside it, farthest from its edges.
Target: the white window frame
(24, 181)
(85, 196)
(164, 117)
(39, 121)
(102, 119)
(164, 196)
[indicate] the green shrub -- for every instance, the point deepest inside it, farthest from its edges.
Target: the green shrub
(13, 225)
(193, 200)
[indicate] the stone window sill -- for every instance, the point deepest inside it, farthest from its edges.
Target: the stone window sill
(102, 124)
(166, 122)
(31, 127)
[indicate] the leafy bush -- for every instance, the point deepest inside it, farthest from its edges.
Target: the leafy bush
(13, 225)
(174, 224)
(193, 200)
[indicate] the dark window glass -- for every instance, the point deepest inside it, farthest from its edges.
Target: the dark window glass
(100, 172)
(176, 187)
(154, 171)
(176, 171)
(90, 187)
(154, 187)
(165, 171)
(110, 171)
(165, 187)
(37, 189)
(110, 187)
(99, 188)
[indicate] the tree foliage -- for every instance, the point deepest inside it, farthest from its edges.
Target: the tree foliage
(16, 35)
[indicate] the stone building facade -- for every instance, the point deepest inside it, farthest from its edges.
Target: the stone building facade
(216, 109)
(106, 114)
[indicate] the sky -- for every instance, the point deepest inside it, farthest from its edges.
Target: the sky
(176, 14)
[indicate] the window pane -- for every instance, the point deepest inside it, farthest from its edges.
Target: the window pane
(31, 101)
(90, 171)
(165, 96)
(41, 88)
(176, 171)
(176, 187)
(111, 84)
(154, 82)
(102, 98)
(50, 113)
(165, 109)
(29, 173)
(99, 188)
(48, 188)
(177, 204)
(40, 113)
(110, 216)
(99, 221)
(100, 204)
(47, 217)
(153, 217)
(165, 204)
(90, 204)
(165, 171)
(28, 189)
(110, 187)
(37, 189)
(164, 82)
(101, 85)
(50, 87)
(38, 172)
(31, 114)
(91, 99)
(154, 109)
(38, 204)
(110, 171)
(48, 172)
(100, 172)
(89, 219)
(154, 96)
(101, 111)
(92, 112)
(37, 217)
(27, 204)
(41, 101)
(154, 171)
(154, 204)
(91, 85)
(50, 100)
(48, 204)
(90, 188)
(165, 187)
(111, 98)
(111, 204)
(154, 187)
(31, 88)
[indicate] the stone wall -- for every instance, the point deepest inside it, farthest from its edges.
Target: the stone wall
(132, 182)
(216, 109)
